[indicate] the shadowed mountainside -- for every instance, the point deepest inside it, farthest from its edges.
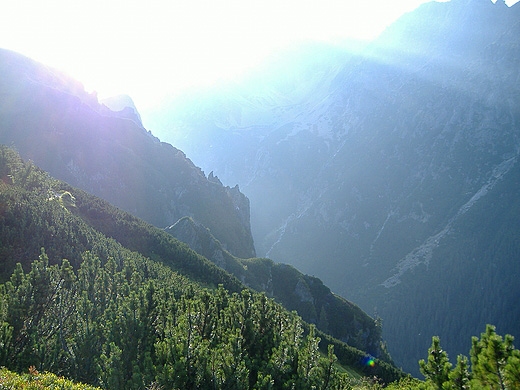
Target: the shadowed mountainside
(51, 120)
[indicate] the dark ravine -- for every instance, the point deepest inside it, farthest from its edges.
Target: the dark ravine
(391, 177)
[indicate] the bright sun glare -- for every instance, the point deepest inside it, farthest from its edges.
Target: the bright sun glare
(149, 49)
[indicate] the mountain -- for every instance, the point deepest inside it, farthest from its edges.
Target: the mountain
(51, 120)
(95, 294)
(392, 178)
(112, 155)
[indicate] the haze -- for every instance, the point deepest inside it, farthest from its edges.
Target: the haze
(149, 49)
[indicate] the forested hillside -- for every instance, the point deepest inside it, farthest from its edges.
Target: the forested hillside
(306, 294)
(76, 302)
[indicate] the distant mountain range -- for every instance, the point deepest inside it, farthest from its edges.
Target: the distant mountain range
(391, 174)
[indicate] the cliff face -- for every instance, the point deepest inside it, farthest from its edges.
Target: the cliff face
(384, 178)
(50, 119)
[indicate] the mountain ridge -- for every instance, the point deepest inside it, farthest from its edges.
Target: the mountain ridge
(305, 294)
(67, 132)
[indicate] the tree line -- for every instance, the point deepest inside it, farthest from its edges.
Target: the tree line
(134, 325)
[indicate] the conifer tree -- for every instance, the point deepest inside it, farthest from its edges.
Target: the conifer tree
(459, 377)
(438, 367)
(489, 357)
(513, 370)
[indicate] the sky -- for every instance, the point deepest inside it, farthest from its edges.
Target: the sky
(149, 49)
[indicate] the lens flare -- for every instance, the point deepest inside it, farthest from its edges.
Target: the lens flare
(369, 361)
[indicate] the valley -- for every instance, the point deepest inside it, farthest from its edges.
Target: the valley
(359, 201)
(365, 177)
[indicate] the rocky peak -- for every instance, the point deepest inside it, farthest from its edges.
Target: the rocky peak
(124, 106)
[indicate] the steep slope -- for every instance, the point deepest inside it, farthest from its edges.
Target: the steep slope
(307, 295)
(51, 120)
(272, 119)
(395, 170)
(38, 212)
(132, 289)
